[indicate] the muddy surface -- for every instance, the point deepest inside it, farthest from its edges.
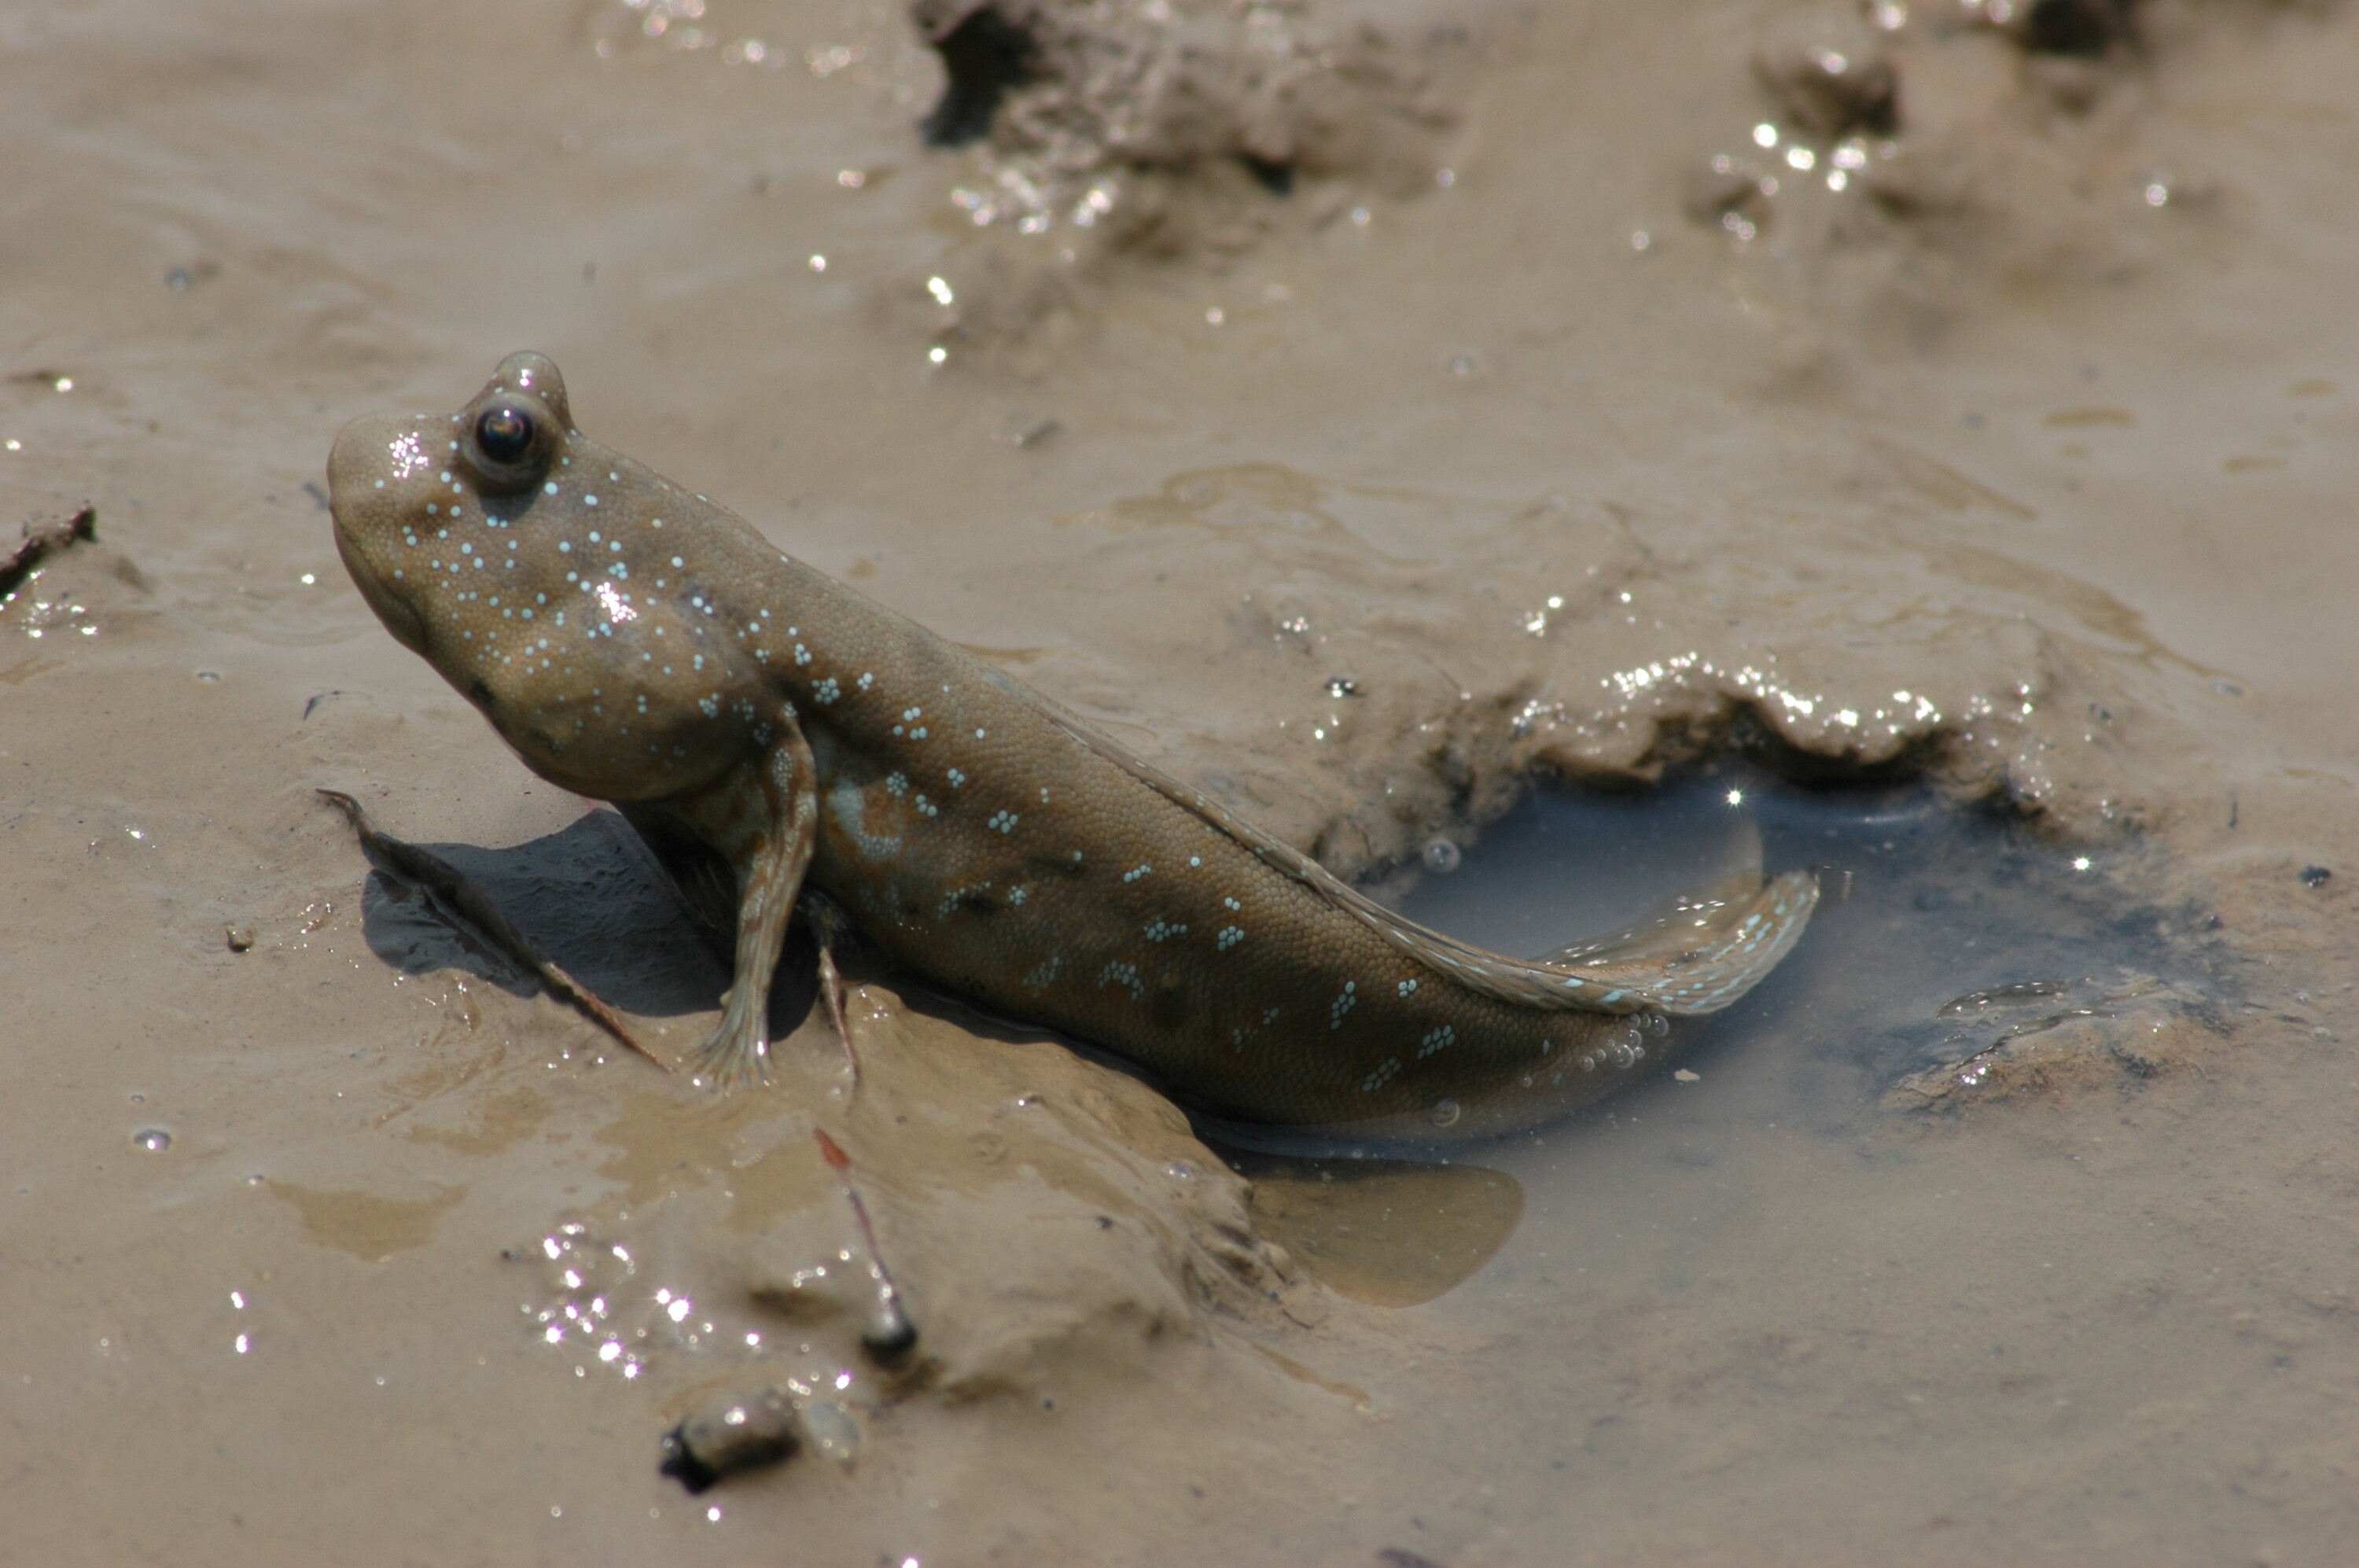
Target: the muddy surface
(1924, 412)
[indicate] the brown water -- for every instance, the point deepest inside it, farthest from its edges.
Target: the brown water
(1356, 505)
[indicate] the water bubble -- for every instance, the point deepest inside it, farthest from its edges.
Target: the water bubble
(155, 1140)
(1624, 1057)
(1180, 1171)
(831, 1432)
(1440, 854)
(1342, 686)
(1445, 1112)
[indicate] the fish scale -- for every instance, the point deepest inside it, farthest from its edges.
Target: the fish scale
(637, 643)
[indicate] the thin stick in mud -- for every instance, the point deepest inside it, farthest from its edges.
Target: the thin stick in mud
(891, 1336)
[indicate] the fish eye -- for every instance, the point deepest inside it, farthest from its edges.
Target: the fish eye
(505, 434)
(510, 443)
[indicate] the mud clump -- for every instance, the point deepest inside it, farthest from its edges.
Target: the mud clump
(1078, 106)
(729, 1432)
(984, 55)
(1915, 156)
(1832, 82)
(2134, 1030)
(2083, 28)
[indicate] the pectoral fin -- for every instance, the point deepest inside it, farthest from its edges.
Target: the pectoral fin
(763, 820)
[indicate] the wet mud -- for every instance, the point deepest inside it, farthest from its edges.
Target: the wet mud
(1484, 433)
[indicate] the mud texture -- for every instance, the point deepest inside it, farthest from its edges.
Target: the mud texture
(1433, 394)
(1076, 104)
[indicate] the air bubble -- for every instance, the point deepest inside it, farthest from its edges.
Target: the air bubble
(1440, 854)
(831, 1432)
(1445, 1112)
(155, 1140)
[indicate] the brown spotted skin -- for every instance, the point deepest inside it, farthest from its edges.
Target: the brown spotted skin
(637, 643)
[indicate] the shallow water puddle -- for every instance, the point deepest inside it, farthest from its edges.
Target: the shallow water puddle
(1956, 953)
(1941, 930)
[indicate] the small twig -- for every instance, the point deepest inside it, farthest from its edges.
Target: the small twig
(80, 528)
(892, 1335)
(461, 897)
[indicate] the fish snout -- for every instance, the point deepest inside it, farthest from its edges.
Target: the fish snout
(380, 473)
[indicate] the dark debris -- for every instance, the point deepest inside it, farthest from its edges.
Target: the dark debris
(43, 540)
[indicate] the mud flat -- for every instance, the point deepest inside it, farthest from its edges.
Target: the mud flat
(1421, 401)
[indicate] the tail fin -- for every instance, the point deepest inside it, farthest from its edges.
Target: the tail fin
(1701, 954)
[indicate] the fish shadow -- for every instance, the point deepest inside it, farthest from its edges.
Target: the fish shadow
(591, 900)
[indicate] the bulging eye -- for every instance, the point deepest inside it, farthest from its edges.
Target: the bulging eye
(504, 435)
(510, 442)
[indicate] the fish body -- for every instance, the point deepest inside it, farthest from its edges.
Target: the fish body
(770, 731)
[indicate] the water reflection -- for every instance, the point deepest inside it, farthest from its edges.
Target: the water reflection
(1388, 1232)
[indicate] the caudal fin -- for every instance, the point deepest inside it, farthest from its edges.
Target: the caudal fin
(1699, 956)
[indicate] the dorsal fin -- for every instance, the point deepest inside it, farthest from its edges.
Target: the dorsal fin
(1725, 956)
